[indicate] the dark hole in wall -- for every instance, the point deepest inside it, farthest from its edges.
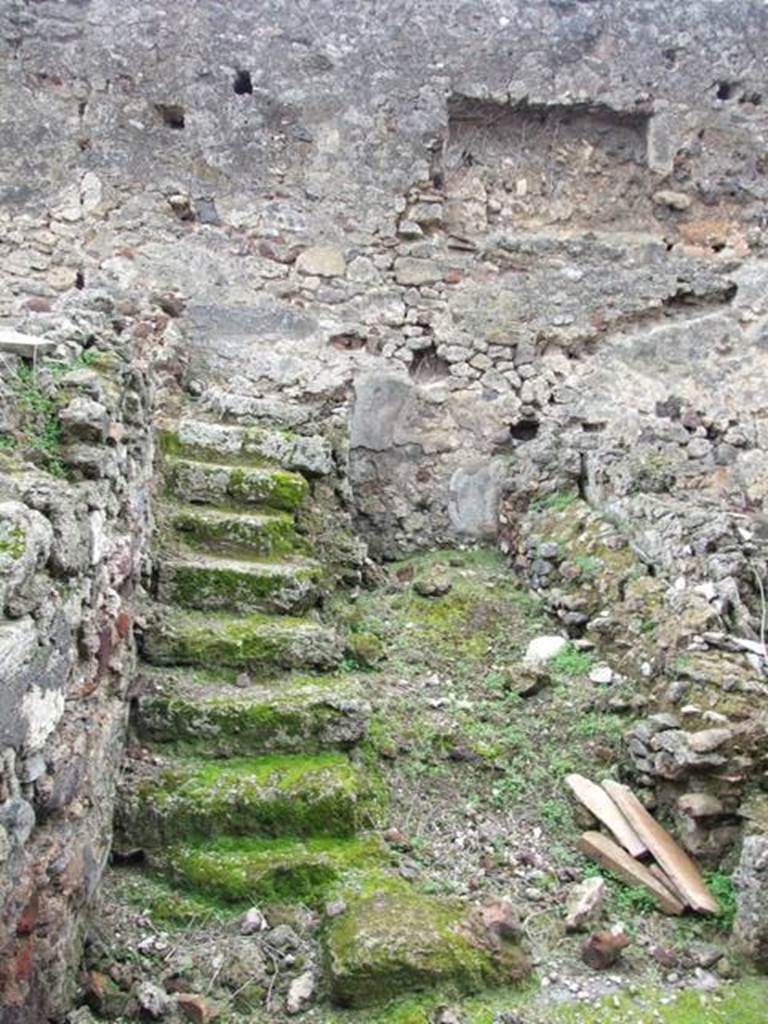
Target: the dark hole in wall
(428, 366)
(524, 430)
(670, 408)
(80, 280)
(685, 297)
(348, 342)
(242, 84)
(724, 90)
(476, 127)
(172, 115)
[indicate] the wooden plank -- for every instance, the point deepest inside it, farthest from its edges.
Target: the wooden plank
(663, 878)
(683, 873)
(611, 856)
(605, 810)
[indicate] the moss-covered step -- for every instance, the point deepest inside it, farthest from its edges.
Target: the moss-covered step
(237, 869)
(263, 797)
(207, 582)
(394, 940)
(305, 713)
(218, 442)
(217, 484)
(248, 642)
(231, 532)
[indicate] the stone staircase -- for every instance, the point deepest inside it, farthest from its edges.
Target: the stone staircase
(243, 786)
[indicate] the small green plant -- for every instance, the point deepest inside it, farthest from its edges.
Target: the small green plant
(589, 565)
(609, 728)
(571, 662)
(40, 432)
(681, 663)
(553, 811)
(721, 887)
(634, 900)
(555, 502)
(85, 360)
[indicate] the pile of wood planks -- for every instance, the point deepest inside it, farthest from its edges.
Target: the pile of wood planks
(641, 853)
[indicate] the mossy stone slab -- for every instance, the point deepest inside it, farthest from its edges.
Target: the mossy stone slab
(237, 869)
(217, 484)
(305, 714)
(221, 442)
(394, 941)
(228, 584)
(251, 642)
(190, 798)
(231, 532)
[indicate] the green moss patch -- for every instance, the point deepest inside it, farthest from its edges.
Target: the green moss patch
(322, 795)
(252, 642)
(271, 871)
(308, 714)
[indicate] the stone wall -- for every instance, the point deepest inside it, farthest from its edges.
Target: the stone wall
(74, 517)
(515, 247)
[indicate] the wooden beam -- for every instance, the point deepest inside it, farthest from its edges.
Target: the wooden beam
(611, 856)
(683, 873)
(596, 800)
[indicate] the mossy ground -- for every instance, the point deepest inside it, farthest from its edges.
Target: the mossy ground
(741, 1003)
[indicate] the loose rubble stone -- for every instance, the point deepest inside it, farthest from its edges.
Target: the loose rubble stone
(750, 927)
(434, 583)
(584, 902)
(194, 1007)
(674, 200)
(601, 950)
(543, 649)
(253, 922)
(300, 993)
(154, 1002)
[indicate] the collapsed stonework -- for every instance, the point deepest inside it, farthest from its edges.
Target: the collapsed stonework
(492, 255)
(74, 520)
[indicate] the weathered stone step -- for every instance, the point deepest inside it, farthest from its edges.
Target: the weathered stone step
(267, 534)
(219, 484)
(237, 868)
(206, 582)
(278, 795)
(217, 442)
(392, 939)
(305, 713)
(250, 642)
